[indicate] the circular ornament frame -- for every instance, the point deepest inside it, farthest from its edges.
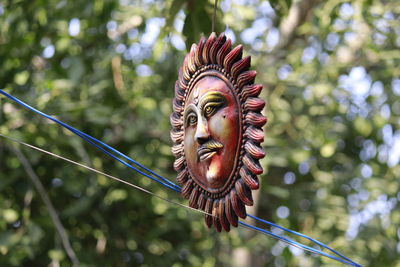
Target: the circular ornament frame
(215, 57)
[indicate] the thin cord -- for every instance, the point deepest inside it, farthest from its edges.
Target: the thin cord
(214, 16)
(102, 173)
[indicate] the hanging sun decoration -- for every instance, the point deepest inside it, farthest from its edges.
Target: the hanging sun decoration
(217, 131)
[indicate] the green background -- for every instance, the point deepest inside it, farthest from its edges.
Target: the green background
(330, 70)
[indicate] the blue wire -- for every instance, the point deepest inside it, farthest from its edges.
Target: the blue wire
(128, 165)
(127, 158)
(299, 234)
(91, 140)
(175, 186)
(102, 147)
(125, 163)
(296, 244)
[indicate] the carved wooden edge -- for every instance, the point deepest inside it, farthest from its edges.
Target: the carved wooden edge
(216, 53)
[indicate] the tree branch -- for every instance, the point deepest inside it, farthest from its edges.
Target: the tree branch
(298, 13)
(52, 211)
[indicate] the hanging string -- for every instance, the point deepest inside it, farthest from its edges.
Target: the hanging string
(214, 16)
(103, 147)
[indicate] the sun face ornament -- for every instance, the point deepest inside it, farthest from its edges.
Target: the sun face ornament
(217, 131)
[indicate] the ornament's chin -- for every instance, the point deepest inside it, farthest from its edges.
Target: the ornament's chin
(212, 175)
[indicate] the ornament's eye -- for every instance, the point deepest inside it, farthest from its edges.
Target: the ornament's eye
(209, 110)
(191, 119)
(213, 105)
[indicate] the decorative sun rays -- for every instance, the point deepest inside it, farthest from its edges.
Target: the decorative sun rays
(216, 55)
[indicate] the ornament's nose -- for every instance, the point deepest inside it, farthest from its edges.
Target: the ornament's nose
(202, 135)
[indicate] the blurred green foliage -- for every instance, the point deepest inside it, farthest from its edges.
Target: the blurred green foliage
(108, 68)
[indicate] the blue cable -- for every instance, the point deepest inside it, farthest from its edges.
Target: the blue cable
(128, 165)
(167, 183)
(299, 234)
(296, 244)
(91, 140)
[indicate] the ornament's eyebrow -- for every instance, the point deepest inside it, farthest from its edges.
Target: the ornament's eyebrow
(211, 96)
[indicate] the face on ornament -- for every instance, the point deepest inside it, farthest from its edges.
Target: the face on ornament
(212, 128)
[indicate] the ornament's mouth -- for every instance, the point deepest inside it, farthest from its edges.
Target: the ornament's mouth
(208, 150)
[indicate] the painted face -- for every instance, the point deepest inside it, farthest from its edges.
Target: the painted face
(211, 130)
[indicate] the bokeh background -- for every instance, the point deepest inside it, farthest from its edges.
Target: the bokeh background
(330, 70)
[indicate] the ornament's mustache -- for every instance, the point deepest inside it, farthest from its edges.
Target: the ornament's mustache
(208, 149)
